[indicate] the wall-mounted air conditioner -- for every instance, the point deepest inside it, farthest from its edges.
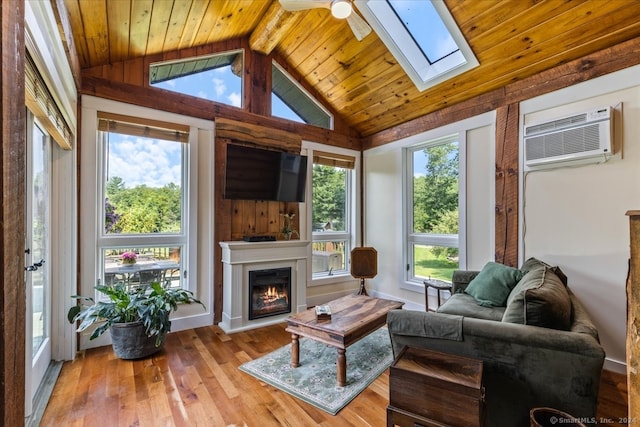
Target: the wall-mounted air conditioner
(578, 139)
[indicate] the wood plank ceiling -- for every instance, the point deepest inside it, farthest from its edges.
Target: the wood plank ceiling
(362, 81)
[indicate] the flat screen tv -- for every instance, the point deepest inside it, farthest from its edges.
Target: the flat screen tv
(257, 174)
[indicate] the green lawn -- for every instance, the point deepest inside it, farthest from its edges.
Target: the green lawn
(427, 265)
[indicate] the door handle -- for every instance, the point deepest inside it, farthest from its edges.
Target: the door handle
(35, 265)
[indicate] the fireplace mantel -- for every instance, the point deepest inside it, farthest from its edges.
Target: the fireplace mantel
(240, 257)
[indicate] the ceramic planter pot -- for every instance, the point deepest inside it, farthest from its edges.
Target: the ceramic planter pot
(130, 341)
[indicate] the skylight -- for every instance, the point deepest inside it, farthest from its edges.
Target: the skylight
(212, 77)
(422, 36)
(290, 101)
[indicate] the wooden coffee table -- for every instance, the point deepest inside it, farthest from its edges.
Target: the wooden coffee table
(352, 317)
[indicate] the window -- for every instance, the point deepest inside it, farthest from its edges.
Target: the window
(433, 210)
(332, 213)
(422, 36)
(290, 101)
(213, 77)
(143, 221)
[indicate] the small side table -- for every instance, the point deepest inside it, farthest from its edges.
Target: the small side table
(438, 285)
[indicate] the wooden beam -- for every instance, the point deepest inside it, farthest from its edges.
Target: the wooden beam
(272, 28)
(633, 317)
(506, 182)
(240, 131)
(257, 84)
(12, 221)
(163, 100)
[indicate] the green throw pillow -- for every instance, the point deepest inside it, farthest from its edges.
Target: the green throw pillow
(493, 284)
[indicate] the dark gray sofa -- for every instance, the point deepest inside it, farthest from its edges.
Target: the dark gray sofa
(525, 366)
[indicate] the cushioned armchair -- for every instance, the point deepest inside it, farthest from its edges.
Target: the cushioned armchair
(525, 366)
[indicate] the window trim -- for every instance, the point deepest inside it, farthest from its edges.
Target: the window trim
(410, 282)
(353, 234)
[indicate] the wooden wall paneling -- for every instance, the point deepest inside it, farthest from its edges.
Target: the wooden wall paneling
(134, 72)
(247, 220)
(12, 219)
(115, 71)
(274, 227)
(506, 181)
(262, 216)
(237, 220)
(633, 318)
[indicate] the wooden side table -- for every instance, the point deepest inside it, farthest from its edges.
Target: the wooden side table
(430, 388)
(438, 285)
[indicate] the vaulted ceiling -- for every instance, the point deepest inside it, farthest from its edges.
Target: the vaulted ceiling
(360, 80)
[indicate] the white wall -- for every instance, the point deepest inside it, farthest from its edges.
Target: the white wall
(383, 175)
(575, 217)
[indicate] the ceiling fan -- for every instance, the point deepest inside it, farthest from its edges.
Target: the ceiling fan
(341, 9)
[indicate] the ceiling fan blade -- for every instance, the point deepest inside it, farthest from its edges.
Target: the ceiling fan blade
(358, 25)
(295, 5)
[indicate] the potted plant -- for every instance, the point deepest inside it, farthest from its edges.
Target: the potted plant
(138, 318)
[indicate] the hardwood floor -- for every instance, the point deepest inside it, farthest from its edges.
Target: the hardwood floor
(194, 381)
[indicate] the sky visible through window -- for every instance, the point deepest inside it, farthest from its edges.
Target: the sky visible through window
(155, 163)
(425, 25)
(144, 161)
(221, 85)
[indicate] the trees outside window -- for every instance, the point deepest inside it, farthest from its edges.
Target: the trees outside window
(143, 203)
(433, 210)
(332, 213)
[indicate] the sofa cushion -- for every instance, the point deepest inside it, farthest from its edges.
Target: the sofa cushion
(465, 305)
(493, 284)
(533, 263)
(539, 299)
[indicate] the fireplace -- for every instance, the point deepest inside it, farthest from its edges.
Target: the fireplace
(239, 259)
(269, 292)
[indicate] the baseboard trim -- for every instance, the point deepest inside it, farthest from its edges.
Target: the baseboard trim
(615, 366)
(43, 394)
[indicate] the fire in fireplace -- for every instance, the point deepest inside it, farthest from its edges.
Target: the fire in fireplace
(269, 292)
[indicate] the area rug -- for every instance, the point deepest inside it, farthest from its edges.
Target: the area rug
(314, 381)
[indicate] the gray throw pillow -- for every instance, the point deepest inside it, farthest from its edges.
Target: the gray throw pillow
(493, 284)
(533, 263)
(539, 299)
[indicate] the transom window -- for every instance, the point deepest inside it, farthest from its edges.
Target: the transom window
(290, 101)
(212, 77)
(432, 210)
(423, 36)
(143, 230)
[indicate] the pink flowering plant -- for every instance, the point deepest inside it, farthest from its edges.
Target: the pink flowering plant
(128, 257)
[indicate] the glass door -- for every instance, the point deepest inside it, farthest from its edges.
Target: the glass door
(38, 319)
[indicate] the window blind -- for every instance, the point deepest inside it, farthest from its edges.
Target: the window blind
(332, 159)
(44, 107)
(146, 128)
